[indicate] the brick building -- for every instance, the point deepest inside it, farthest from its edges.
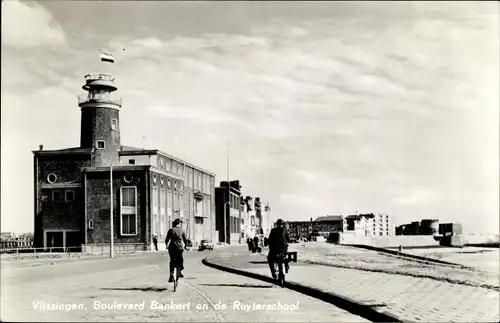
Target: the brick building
(72, 186)
(321, 226)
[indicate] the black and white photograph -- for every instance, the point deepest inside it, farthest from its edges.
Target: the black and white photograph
(250, 161)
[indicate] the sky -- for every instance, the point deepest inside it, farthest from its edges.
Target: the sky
(324, 108)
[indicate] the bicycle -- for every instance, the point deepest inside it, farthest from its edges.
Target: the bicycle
(284, 259)
(177, 272)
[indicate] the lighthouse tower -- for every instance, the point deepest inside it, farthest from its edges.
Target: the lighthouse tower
(100, 121)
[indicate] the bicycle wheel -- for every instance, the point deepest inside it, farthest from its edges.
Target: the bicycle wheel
(281, 276)
(176, 279)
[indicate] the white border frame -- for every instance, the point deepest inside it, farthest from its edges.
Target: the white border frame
(121, 212)
(97, 144)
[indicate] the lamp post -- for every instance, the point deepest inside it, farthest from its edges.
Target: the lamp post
(111, 209)
(228, 202)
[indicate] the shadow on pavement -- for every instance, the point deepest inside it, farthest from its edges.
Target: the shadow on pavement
(258, 262)
(144, 289)
(240, 285)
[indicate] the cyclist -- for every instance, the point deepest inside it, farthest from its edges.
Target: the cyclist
(176, 236)
(278, 243)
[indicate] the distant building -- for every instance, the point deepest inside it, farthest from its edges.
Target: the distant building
(321, 226)
(228, 211)
(383, 225)
(249, 225)
(325, 225)
(450, 229)
(359, 225)
(300, 229)
(429, 227)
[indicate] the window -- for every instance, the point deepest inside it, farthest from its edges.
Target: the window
(162, 201)
(128, 178)
(169, 203)
(51, 178)
(91, 224)
(114, 124)
(128, 210)
(101, 144)
(155, 200)
(154, 178)
(131, 161)
(56, 196)
(70, 196)
(176, 201)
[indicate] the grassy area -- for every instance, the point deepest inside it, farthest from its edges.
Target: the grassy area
(342, 257)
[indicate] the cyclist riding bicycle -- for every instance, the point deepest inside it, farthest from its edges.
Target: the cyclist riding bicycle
(176, 236)
(278, 243)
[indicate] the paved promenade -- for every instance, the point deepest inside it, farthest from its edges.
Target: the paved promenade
(406, 297)
(141, 279)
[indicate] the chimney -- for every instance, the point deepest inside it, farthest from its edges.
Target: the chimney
(311, 219)
(40, 147)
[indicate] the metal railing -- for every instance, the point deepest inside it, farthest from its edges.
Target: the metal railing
(101, 249)
(84, 98)
(16, 244)
(99, 76)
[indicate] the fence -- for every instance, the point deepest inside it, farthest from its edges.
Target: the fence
(102, 249)
(16, 244)
(71, 252)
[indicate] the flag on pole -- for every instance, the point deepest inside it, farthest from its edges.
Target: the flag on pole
(106, 57)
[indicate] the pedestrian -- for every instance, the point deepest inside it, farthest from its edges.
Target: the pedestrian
(256, 243)
(249, 243)
(155, 241)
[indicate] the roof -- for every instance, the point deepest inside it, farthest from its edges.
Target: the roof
(359, 216)
(115, 168)
(126, 150)
(130, 148)
(329, 218)
(74, 150)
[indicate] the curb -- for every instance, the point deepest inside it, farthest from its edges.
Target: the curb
(407, 255)
(347, 304)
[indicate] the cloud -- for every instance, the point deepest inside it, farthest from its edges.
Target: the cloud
(29, 25)
(297, 199)
(305, 175)
(392, 111)
(417, 196)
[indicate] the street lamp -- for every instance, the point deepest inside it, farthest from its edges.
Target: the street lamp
(228, 202)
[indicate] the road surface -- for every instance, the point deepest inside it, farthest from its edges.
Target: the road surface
(135, 288)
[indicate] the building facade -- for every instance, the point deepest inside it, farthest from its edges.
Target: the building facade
(322, 226)
(228, 212)
(383, 225)
(359, 225)
(78, 190)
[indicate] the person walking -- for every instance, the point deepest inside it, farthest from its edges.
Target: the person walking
(155, 241)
